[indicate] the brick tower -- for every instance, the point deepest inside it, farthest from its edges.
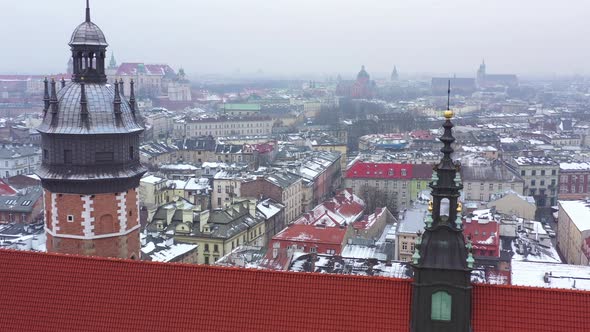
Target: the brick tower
(90, 166)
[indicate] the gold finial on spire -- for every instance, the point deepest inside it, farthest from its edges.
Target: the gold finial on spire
(448, 114)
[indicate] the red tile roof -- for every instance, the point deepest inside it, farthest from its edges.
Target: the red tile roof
(311, 234)
(6, 189)
(527, 309)
(55, 292)
(51, 292)
(132, 68)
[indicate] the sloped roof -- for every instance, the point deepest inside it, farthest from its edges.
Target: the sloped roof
(311, 233)
(526, 309)
(53, 292)
(101, 114)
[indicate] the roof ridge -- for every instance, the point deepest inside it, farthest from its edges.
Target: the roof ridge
(193, 266)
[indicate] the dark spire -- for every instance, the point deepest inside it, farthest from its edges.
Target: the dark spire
(113, 62)
(53, 100)
(117, 101)
(447, 138)
(83, 101)
(46, 95)
(132, 97)
(63, 82)
(442, 260)
(87, 10)
(122, 87)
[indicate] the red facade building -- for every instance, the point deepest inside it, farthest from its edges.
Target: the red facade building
(484, 232)
(361, 88)
(325, 229)
(380, 170)
(574, 180)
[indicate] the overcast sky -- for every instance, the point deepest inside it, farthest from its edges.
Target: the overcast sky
(309, 36)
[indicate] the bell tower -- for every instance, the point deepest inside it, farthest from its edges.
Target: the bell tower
(90, 167)
(442, 261)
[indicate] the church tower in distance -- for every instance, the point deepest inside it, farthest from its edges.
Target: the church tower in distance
(442, 261)
(90, 165)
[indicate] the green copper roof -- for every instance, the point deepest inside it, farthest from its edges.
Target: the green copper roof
(241, 107)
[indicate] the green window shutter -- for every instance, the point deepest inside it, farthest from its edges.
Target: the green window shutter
(441, 306)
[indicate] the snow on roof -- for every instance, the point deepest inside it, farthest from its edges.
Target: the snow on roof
(574, 166)
(269, 208)
(479, 149)
(413, 220)
(579, 213)
(34, 176)
(172, 252)
(179, 167)
(197, 184)
(522, 161)
(551, 275)
(148, 248)
(151, 179)
(363, 252)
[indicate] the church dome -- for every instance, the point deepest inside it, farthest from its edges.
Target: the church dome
(88, 34)
(363, 73)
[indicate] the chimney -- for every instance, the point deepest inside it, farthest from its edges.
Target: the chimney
(187, 216)
(252, 207)
(203, 219)
(312, 258)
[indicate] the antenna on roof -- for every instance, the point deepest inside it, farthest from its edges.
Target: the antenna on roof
(87, 10)
(449, 97)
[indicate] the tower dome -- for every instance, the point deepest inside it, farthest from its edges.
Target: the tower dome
(88, 34)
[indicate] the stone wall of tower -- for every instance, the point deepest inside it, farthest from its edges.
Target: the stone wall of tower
(95, 225)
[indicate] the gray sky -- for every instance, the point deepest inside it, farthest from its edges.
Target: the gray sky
(309, 36)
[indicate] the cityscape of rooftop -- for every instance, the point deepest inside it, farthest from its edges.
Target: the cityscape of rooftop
(149, 182)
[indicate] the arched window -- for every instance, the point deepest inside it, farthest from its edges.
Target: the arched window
(444, 207)
(441, 306)
(106, 225)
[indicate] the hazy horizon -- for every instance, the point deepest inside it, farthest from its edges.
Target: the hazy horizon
(289, 37)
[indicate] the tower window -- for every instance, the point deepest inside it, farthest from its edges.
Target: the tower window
(104, 157)
(131, 153)
(441, 306)
(70, 218)
(67, 156)
(45, 154)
